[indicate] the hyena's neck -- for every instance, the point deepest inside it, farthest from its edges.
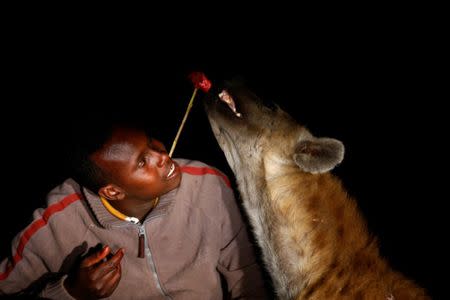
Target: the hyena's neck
(327, 228)
(253, 191)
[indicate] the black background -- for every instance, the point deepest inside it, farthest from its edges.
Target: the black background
(373, 87)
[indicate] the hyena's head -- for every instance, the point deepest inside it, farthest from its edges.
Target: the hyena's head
(253, 134)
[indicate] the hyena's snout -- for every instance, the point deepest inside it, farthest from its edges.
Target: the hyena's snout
(223, 101)
(237, 106)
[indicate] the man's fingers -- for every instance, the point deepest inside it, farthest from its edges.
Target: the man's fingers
(110, 282)
(95, 258)
(117, 258)
(114, 261)
(108, 266)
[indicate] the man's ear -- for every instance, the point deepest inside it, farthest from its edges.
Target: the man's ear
(111, 192)
(318, 155)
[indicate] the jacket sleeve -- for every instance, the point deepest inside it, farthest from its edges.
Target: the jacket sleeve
(25, 272)
(238, 263)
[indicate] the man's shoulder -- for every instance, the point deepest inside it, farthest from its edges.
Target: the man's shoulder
(68, 189)
(61, 199)
(206, 171)
(60, 213)
(191, 162)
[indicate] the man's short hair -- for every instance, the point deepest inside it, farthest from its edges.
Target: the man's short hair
(88, 135)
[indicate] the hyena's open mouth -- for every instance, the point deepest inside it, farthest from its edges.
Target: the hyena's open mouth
(228, 99)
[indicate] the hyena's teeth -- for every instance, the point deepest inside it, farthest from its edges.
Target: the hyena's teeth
(226, 97)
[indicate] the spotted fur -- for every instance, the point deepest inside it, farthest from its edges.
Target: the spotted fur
(314, 240)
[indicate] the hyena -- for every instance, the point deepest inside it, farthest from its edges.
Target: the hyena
(314, 241)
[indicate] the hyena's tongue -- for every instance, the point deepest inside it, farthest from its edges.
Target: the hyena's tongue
(226, 97)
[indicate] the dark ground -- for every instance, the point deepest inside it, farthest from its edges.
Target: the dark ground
(376, 94)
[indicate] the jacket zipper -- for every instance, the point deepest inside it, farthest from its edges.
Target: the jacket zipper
(144, 251)
(141, 248)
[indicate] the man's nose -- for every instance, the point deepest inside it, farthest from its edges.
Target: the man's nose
(163, 158)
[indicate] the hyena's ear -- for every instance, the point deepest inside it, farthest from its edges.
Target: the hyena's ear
(318, 155)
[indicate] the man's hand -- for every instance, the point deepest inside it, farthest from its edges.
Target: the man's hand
(97, 276)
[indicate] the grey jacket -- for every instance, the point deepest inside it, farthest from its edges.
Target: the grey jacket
(194, 235)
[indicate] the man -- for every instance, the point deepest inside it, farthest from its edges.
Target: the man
(134, 224)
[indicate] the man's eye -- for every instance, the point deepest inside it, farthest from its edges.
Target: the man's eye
(141, 163)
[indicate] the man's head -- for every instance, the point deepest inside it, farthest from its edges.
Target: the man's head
(120, 160)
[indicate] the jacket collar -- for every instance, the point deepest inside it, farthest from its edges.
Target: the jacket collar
(107, 220)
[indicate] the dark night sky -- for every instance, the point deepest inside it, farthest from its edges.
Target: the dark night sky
(375, 93)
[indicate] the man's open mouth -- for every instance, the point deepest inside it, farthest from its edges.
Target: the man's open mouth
(171, 170)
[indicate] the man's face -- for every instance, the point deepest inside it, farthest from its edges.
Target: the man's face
(138, 165)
